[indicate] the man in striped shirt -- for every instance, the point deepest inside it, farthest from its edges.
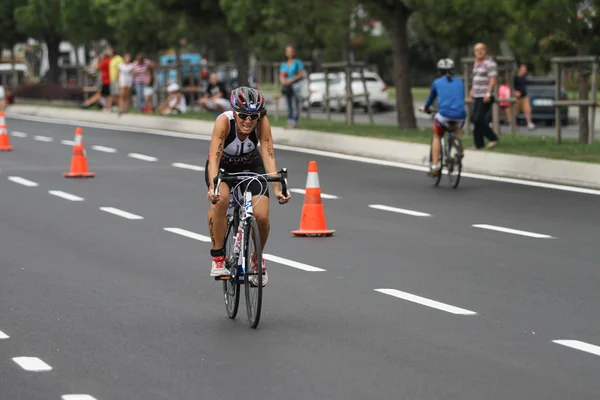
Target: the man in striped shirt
(485, 74)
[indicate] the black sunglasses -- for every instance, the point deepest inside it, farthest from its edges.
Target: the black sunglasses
(245, 116)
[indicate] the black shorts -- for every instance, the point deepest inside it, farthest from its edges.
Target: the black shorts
(256, 187)
(105, 90)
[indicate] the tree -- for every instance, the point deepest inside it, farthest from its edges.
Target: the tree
(85, 21)
(324, 26)
(461, 23)
(209, 14)
(42, 19)
(140, 25)
(564, 28)
(394, 15)
(11, 34)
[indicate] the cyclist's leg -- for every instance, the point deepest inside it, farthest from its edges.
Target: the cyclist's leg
(217, 224)
(260, 203)
(436, 146)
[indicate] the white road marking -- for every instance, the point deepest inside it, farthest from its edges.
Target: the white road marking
(19, 134)
(65, 195)
(77, 397)
(43, 138)
(290, 263)
(513, 231)
(68, 142)
(399, 210)
(323, 195)
(578, 345)
(425, 302)
(21, 181)
(142, 157)
(3, 335)
(189, 234)
(366, 160)
(104, 149)
(188, 166)
(32, 364)
(120, 213)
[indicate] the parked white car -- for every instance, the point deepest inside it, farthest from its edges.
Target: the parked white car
(317, 89)
(376, 88)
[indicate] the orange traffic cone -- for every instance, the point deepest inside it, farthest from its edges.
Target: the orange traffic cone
(312, 221)
(4, 141)
(79, 167)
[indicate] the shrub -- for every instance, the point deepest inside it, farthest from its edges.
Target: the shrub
(49, 91)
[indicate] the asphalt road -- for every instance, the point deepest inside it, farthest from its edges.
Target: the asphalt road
(415, 304)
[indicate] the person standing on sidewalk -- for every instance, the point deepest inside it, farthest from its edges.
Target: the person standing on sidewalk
(485, 74)
(290, 74)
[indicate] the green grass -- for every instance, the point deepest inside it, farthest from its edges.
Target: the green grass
(528, 145)
(573, 94)
(419, 93)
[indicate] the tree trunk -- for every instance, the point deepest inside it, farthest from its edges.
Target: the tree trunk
(240, 56)
(584, 73)
(53, 73)
(405, 113)
(15, 74)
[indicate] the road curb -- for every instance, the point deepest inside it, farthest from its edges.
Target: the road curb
(476, 161)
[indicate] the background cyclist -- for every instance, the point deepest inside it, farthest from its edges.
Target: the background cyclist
(450, 92)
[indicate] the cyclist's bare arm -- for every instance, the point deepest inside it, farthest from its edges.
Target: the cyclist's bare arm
(266, 148)
(217, 142)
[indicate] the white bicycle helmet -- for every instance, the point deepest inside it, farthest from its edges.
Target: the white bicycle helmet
(445, 64)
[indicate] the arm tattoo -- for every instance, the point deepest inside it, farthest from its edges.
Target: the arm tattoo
(269, 148)
(210, 228)
(220, 149)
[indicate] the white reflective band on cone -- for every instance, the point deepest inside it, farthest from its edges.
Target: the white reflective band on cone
(312, 180)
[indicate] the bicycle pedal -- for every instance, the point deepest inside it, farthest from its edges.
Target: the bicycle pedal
(222, 278)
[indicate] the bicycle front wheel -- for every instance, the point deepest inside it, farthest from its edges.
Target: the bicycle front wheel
(454, 162)
(254, 277)
(231, 286)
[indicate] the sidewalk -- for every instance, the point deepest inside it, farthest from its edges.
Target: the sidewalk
(482, 162)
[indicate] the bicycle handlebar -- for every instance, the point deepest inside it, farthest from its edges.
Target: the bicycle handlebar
(224, 176)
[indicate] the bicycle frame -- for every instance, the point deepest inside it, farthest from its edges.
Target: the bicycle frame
(247, 211)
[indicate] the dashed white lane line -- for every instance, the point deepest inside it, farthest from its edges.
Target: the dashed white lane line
(104, 149)
(3, 335)
(43, 138)
(367, 160)
(65, 195)
(189, 234)
(19, 134)
(188, 166)
(323, 195)
(425, 302)
(142, 157)
(513, 231)
(77, 397)
(290, 263)
(22, 181)
(68, 142)
(399, 210)
(120, 213)
(578, 345)
(32, 364)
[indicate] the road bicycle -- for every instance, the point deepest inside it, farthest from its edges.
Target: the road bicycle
(451, 154)
(242, 242)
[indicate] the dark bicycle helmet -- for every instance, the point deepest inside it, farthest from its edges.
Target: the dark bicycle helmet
(247, 100)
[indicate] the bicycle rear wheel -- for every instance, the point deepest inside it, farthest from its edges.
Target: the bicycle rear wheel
(231, 287)
(253, 250)
(438, 178)
(454, 162)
